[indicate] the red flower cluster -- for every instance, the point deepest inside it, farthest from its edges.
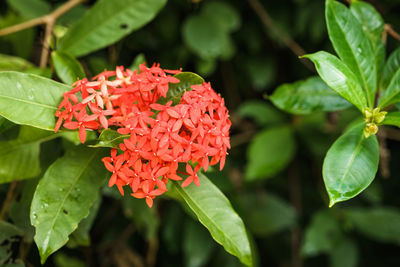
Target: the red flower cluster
(161, 136)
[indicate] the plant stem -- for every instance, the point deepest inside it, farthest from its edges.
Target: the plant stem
(49, 20)
(388, 29)
(8, 200)
(269, 25)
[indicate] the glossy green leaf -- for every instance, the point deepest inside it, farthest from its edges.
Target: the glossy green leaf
(373, 26)
(379, 223)
(344, 254)
(19, 158)
(390, 82)
(12, 63)
(110, 138)
(263, 161)
(352, 45)
(67, 67)
(350, 164)
(33, 100)
(339, 78)
(261, 112)
(64, 196)
(176, 90)
(321, 235)
(215, 212)
(107, 22)
(196, 254)
(392, 118)
(308, 96)
(266, 214)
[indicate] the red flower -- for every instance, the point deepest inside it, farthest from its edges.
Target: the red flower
(162, 137)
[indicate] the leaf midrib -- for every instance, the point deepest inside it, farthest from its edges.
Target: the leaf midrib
(46, 241)
(29, 102)
(353, 55)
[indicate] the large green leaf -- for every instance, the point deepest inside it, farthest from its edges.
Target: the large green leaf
(12, 63)
(350, 164)
(30, 99)
(107, 22)
(380, 223)
(373, 26)
(392, 118)
(321, 235)
(19, 158)
(64, 196)
(67, 67)
(263, 159)
(339, 77)
(215, 212)
(352, 45)
(308, 96)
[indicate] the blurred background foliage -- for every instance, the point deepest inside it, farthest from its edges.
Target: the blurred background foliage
(273, 173)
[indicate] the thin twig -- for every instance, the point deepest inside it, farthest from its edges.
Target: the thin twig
(388, 29)
(7, 201)
(285, 38)
(49, 20)
(151, 255)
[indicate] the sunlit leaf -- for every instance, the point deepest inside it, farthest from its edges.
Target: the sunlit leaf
(67, 67)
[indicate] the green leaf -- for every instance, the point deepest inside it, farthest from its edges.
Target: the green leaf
(307, 96)
(215, 212)
(261, 71)
(30, 9)
(19, 158)
(176, 90)
(106, 23)
(390, 82)
(227, 16)
(67, 67)
(380, 223)
(261, 112)
(64, 196)
(339, 77)
(139, 59)
(266, 214)
(391, 69)
(206, 36)
(110, 138)
(350, 164)
(373, 26)
(344, 254)
(392, 118)
(322, 234)
(145, 219)
(11, 63)
(352, 45)
(33, 100)
(197, 244)
(262, 156)
(63, 260)
(8, 230)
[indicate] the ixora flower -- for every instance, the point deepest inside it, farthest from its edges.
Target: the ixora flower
(163, 138)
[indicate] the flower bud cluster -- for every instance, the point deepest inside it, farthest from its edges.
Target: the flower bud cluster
(194, 132)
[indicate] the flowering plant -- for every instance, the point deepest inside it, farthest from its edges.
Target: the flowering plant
(187, 130)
